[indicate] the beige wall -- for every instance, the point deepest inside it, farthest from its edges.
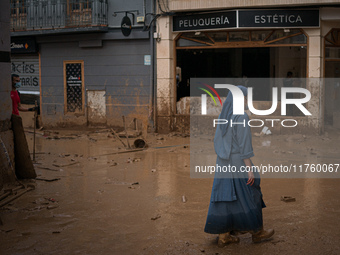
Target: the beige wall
(165, 75)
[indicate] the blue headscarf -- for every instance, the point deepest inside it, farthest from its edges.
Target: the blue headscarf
(223, 134)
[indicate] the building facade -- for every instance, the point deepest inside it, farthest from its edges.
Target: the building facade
(254, 39)
(89, 61)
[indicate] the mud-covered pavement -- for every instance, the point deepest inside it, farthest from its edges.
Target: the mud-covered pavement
(132, 203)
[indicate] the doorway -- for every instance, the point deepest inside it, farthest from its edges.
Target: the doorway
(218, 63)
(239, 54)
(332, 79)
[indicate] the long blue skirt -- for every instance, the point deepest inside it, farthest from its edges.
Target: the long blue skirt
(242, 214)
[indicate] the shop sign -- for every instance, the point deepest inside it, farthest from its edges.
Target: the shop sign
(204, 21)
(147, 60)
(23, 45)
(73, 75)
(247, 19)
(278, 18)
(126, 26)
(28, 70)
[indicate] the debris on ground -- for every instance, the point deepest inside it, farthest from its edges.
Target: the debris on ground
(41, 201)
(70, 164)
(266, 131)
(266, 143)
(50, 207)
(132, 160)
(288, 199)
(12, 194)
(62, 216)
(156, 217)
(312, 151)
(47, 179)
(51, 199)
(178, 134)
(92, 139)
(48, 168)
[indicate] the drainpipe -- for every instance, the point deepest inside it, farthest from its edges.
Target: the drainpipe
(153, 88)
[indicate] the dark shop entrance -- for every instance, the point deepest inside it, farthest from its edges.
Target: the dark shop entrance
(240, 54)
(232, 62)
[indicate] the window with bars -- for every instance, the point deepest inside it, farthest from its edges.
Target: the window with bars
(18, 14)
(74, 86)
(52, 14)
(18, 7)
(79, 5)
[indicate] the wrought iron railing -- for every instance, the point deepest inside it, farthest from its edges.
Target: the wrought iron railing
(29, 15)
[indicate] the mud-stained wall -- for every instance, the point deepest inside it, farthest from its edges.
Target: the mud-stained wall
(6, 133)
(114, 66)
(314, 65)
(165, 76)
(96, 107)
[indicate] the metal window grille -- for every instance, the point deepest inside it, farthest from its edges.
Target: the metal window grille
(74, 87)
(53, 14)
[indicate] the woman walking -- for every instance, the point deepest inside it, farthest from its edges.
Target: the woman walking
(236, 198)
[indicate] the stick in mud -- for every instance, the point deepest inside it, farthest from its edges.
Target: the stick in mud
(10, 199)
(46, 179)
(47, 168)
(120, 152)
(115, 134)
(126, 134)
(56, 165)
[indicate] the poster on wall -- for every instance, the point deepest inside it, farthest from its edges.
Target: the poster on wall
(28, 70)
(74, 86)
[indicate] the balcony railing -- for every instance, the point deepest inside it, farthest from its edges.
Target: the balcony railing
(30, 15)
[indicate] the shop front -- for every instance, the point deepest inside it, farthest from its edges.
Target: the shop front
(259, 48)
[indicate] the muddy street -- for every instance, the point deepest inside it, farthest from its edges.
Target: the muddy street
(90, 200)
